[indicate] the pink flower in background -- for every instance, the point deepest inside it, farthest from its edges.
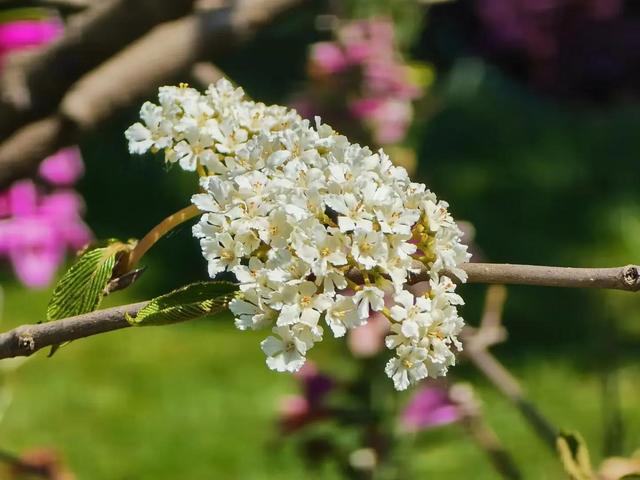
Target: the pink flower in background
(368, 340)
(389, 120)
(361, 75)
(294, 412)
(38, 231)
(328, 58)
(365, 107)
(63, 168)
(316, 386)
(21, 34)
(297, 411)
(429, 407)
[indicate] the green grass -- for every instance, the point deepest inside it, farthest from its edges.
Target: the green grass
(196, 401)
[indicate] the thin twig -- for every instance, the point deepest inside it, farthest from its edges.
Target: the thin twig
(509, 386)
(27, 339)
(477, 343)
(474, 422)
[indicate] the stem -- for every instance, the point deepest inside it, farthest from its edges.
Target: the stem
(489, 442)
(621, 278)
(506, 384)
(155, 234)
(24, 340)
(476, 351)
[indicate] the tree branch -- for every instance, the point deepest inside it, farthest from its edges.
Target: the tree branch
(477, 343)
(34, 82)
(617, 278)
(153, 60)
(27, 339)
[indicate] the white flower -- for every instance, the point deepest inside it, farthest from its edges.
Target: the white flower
(155, 133)
(300, 304)
(320, 247)
(410, 308)
(222, 252)
(369, 297)
(408, 367)
(369, 248)
(395, 218)
(286, 352)
(277, 229)
(351, 213)
(342, 315)
(250, 312)
(297, 212)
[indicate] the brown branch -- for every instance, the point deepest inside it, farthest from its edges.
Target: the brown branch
(65, 5)
(27, 339)
(485, 437)
(34, 82)
(509, 386)
(477, 342)
(153, 60)
(617, 278)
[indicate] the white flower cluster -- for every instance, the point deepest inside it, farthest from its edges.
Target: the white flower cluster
(314, 228)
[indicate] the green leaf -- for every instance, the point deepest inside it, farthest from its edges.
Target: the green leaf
(575, 456)
(186, 303)
(82, 287)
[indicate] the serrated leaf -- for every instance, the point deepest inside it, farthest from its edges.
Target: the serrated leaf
(82, 287)
(186, 303)
(574, 455)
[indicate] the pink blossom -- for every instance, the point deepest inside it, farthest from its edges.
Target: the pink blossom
(368, 340)
(294, 412)
(358, 52)
(63, 168)
(365, 108)
(391, 121)
(328, 58)
(27, 33)
(316, 385)
(36, 231)
(367, 74)
(429, 407)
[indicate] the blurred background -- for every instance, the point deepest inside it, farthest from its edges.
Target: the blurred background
(522, 114)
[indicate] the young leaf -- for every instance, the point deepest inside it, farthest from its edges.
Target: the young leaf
(82, 287)
(186, 303)
(575, 456)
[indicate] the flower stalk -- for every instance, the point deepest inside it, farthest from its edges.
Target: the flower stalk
(130, 260)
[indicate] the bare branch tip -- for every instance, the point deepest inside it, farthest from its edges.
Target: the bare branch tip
(631, 277)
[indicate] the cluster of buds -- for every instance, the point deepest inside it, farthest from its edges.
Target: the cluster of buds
(315, 228)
